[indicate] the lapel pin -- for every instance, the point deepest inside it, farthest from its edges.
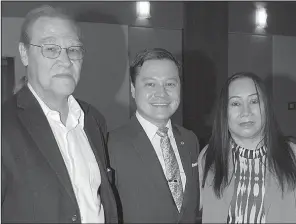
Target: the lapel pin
(182, 143)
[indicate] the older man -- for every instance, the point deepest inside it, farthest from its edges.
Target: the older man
(53, 146)
(155, 161)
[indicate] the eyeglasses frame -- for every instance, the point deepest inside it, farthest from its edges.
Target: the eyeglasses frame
(61, 48)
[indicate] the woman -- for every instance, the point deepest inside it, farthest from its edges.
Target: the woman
(248, 169)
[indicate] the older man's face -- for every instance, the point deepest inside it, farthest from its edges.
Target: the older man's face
(53, 77)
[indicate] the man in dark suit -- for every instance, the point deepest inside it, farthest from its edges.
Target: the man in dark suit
(53, 146)
(155, 161)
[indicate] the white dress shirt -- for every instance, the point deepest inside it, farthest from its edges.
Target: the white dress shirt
(78, 157)
(154, 138)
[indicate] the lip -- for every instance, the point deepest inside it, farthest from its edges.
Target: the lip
(247, 124)
(160, 104)
(63, 74)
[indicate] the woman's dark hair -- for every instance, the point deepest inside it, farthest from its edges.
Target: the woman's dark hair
(281, 159)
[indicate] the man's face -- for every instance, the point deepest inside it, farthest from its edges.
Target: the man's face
(52, 77)
(157, 91)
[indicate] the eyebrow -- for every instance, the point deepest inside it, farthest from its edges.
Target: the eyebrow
(253, 94)
(52, 40)
(47, 39)
(148, 78)
(152, 78)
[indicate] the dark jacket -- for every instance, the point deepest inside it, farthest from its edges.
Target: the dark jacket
(36, 187)
(143, 191)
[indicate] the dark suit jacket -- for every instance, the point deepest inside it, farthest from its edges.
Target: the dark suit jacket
(143, 191)
(36, 186)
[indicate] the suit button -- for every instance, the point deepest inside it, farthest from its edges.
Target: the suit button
(74, 218)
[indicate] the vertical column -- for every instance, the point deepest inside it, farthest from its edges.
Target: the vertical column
(205, 63)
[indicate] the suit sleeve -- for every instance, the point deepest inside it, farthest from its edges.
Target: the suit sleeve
(198, 210)
(114, 145)
(3, 182)
(4, 170)
(101, 123)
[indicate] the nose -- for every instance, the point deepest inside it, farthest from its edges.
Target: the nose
(65, 58)
(161, 91)
(246, 110)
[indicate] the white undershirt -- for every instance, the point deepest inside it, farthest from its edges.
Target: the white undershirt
(154, 138)
(79, 159)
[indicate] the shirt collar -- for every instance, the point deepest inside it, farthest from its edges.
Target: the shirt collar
(75, 111)
(150, 128)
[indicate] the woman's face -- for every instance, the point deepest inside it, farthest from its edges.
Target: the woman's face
(246, 112)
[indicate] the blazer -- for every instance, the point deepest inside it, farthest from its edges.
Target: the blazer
(278, 208)
(143, 193)
(36, 186)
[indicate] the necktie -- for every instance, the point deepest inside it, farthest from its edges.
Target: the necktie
(172, 171)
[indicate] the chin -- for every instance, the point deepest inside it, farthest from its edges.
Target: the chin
(163, 116)
(249, 135)
(65, 91)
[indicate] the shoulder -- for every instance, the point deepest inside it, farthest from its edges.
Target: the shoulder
(186, 132)
(201, 163)
(201, 156)
(8, 107)
(11, 127)
(201, 159)
(182, 129)
(188, 136)
(293, 147)
(120, 141)
(121, 133)
(9, 113)
(90, 110)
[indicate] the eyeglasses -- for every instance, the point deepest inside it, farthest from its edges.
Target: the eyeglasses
(53, 51)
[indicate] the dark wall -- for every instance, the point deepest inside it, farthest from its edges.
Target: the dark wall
(250, 52)
(205, 50)
(165, 14)
(206, 25)
(281, 17)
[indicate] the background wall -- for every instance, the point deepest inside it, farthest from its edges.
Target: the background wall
(205, 50)
(250, 52)
(284, 81)
(9, 43)
(218, 39)
(104, 77)
(164, 14)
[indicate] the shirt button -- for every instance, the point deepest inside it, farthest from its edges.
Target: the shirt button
(74, 218)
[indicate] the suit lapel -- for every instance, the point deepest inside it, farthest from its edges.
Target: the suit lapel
(95, 137)
(151, 164)
(34, 120)
(97, 143)
(184, 153)
(96, 140)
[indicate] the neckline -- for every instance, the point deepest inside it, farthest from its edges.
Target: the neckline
(239, 151)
